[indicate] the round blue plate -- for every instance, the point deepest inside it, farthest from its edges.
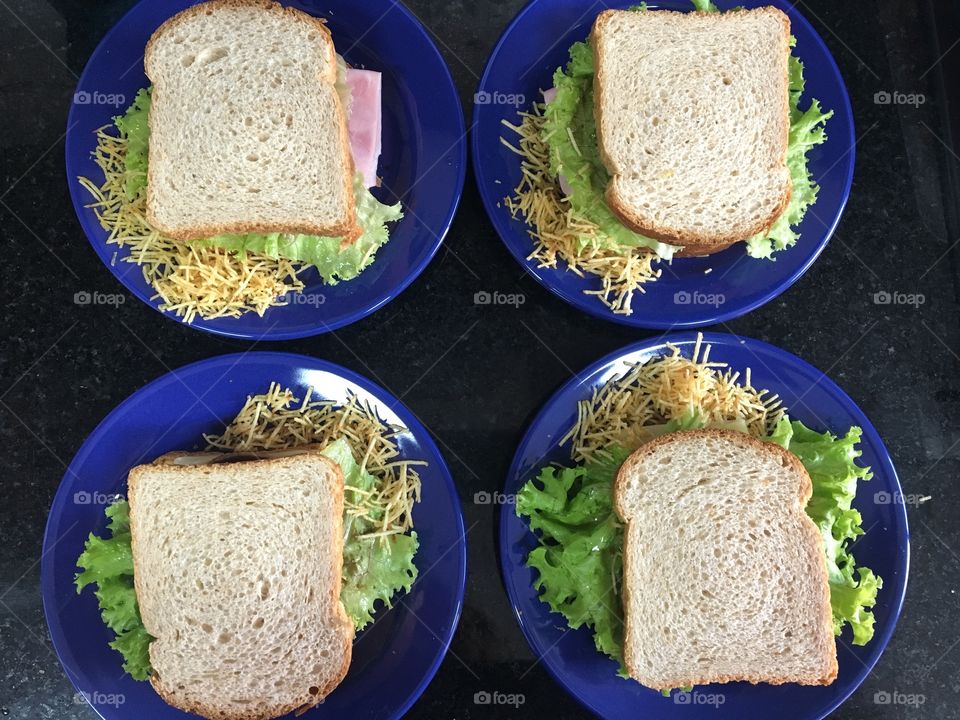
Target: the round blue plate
(393, 660)
(423, 162)
(533, 46)
(810, 397)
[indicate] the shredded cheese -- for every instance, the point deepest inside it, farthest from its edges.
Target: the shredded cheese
(661, 389)
(559, 234)
(276, 420)
(189, 281)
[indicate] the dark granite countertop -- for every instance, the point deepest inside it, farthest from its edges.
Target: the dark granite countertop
(477, 374)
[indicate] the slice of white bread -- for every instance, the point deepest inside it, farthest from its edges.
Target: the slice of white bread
(247, 131)
(693, 122)
(724, 574)
(237, 568)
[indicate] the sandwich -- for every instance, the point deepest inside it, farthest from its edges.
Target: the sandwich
(235, 632)
(696, 159)
(248, 161)
(727, 511)
(700, 534)
(668, 134)
(235, 578)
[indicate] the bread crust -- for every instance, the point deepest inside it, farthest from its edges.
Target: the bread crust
(350, 229)
(811, 538)
(692, 244)
(215, 712)
(220, 456)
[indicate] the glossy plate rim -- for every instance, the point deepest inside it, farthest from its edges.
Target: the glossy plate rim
(293, 360)
(104, 252)
(717, 340)
(503, 225)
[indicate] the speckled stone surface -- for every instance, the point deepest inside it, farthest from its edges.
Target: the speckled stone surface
(63, 367)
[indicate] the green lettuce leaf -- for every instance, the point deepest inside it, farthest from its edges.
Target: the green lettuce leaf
(806, 131)
(374, 569)
(118, 603)
(333, 260)
(134, 126)
(134, 645)
(571, 133)
(831, 462)
(580, 541)
(107, 562)
(692, 420)
(579, 558)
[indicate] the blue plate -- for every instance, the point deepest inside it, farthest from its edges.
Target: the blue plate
(810, 397)
(533, 46)
(423, 162)
(393, 660)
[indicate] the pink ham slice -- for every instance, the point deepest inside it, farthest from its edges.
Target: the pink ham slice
(364, 123)
(548, 97)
